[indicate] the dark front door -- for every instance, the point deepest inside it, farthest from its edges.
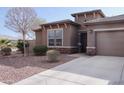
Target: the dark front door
(83, 40)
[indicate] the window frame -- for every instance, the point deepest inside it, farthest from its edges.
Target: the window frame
(54, 38)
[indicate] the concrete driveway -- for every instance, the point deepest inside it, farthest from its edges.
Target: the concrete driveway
(97, 70)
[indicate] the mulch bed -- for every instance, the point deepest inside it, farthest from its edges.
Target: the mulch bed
(16, 67)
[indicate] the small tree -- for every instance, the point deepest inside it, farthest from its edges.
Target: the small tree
(19, 20)
(34, 25)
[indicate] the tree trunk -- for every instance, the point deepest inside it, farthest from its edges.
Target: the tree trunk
(24, 45)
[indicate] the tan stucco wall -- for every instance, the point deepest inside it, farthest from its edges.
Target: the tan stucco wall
(81, 19)
(91, 39)
(106, 25)
(91, 35)
(70, 35)
(38, 37)
(74, 36)
(94, 36)
(44, 37)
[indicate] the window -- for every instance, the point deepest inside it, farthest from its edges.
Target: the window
(55, 37)
(51, 39)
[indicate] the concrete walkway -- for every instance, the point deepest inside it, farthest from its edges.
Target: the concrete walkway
(97, 70)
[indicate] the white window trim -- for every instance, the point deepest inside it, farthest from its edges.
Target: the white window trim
(48, 37)
(91, 47)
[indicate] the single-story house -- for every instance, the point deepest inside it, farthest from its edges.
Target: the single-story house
(91, 32)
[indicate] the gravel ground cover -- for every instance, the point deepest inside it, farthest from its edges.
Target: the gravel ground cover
(16, 67)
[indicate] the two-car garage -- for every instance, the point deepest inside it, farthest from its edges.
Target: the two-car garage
(110, 43)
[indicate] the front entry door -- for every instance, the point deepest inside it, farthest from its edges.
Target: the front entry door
(83, 40)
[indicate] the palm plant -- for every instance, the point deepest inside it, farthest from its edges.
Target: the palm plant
(5, 43)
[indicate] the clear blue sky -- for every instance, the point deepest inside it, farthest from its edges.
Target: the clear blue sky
(55, 13)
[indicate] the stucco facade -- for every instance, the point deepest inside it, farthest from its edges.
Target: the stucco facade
(106, 39)
(103, 35)
(70, 36)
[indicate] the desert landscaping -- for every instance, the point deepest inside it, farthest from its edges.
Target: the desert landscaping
(15, 67)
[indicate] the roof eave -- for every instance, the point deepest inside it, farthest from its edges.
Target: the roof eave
(69, 22)
(103, 22)
(100, 11)
(36, 30)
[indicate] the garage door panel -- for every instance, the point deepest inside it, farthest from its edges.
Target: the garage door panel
(110, 43)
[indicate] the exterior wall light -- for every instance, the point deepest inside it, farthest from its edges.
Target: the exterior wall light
(90, 31)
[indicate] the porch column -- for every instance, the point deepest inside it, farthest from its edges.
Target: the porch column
(91, 47)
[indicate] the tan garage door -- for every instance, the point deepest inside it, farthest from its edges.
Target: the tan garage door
(110, 43)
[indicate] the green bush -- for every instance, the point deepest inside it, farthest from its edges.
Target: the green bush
(40, 50)
(53, 55)
(6, 51)
(20, 45)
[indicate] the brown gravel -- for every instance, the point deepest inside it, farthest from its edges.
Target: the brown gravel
(16, 67)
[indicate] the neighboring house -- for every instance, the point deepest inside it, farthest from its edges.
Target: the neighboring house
(91, 32)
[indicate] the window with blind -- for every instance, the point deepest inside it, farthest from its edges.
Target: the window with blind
(55, 37)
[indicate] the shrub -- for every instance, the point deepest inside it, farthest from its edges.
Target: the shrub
(53, 55)
(20, 45)
(40, 50)
(6, 51)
